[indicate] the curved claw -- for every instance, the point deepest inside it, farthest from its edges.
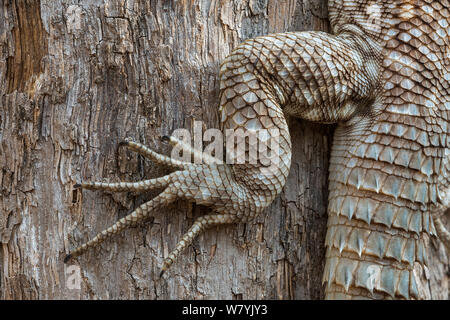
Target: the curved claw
(124, 143)
(67, 258)
(165, 139)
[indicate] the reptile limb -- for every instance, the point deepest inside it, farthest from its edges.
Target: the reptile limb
(383, 76)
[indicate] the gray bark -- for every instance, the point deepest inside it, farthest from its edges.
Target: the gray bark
(76, 78)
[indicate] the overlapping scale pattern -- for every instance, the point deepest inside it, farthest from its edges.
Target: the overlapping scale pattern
(386, 182)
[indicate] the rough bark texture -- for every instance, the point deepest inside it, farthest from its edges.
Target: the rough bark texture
(75, 80)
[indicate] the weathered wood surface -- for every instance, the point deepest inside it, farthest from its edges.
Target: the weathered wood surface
(77, 77)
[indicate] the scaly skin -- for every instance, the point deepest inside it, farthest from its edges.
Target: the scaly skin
(384, 77)
(388, 177)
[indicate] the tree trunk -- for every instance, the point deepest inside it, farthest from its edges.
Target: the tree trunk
(75, 80)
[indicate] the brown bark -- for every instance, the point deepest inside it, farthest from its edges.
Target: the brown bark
(75, 80)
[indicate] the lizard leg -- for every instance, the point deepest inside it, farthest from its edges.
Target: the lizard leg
(199, 226)
(140, 186)
(142, 212)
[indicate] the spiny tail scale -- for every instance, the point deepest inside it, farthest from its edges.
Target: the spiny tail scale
(386, 180)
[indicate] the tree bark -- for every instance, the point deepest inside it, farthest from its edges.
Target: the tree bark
(76, 78)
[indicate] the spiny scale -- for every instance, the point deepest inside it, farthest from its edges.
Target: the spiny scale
(384, 77)
(384, 183)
